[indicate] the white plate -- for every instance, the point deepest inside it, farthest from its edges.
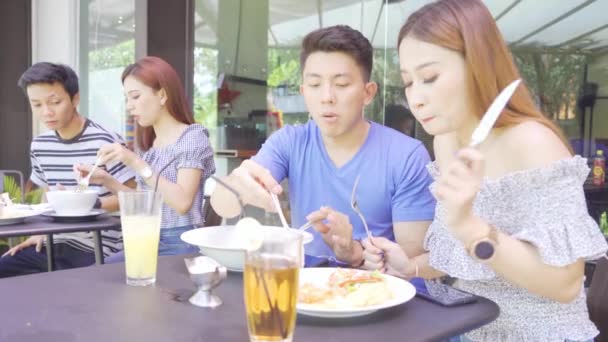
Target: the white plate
(90, 216)
(402, 291)
(18, 219)
(225, 244)
(26, 211)
(93, 212)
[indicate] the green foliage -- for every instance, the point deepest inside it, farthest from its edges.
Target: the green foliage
(554, 80)
(205, 103)
(604, 223)
(34, 196)
(14, 191)
(284, 73)
(116, 56)
(284, 69)
(12, 188)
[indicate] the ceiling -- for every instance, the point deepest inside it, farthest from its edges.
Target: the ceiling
(565, 25)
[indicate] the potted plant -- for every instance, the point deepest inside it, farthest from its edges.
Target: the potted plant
(604, 224)
(14, 191)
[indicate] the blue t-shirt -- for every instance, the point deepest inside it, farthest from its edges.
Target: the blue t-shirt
(393, 187)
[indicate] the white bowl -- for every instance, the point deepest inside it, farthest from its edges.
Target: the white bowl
(71, 202)
(226, 244)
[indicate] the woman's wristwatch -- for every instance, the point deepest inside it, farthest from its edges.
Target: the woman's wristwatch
(483, 249)
(146, 172)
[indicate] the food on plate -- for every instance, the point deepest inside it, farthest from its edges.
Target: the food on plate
(7, 208)
(347, 288)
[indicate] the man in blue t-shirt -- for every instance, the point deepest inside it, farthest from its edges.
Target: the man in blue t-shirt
(323, 157)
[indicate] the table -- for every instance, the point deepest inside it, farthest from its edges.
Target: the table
(94, 304)
(40, 225)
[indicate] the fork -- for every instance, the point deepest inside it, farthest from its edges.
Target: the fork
(355, 206)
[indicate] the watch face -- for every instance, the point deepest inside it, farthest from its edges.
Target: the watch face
(146, 172)
(484, 250)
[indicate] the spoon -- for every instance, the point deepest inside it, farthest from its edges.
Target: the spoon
(277, 206)
(83, 183)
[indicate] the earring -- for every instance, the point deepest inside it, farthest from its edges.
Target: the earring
(162, 102)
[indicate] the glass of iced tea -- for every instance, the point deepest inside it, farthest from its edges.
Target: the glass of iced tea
(270, 281)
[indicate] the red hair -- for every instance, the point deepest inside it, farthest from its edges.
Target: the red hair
(157, 74)
(467, 27)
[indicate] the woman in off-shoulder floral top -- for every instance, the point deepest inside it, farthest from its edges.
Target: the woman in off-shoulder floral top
(511, 223)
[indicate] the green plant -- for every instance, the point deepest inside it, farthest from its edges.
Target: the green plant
(604, 223)
(14, 191)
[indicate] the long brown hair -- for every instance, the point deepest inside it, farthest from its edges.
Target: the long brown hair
(158, 74)
(466, 26)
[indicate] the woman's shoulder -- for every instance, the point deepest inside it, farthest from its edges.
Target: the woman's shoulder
(531, 145)
(194, 131)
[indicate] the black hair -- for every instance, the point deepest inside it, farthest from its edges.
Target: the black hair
(340, 38)
(49, 73)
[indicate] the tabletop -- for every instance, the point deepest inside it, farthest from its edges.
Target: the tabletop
(94, 304)
(39, 225)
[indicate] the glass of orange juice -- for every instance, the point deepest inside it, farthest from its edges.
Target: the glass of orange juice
(270, 282)
(140, 216)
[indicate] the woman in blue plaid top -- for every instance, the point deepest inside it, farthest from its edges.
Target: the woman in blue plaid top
(171, 149)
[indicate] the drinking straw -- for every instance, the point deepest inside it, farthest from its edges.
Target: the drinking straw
(274, 310)
(157, 179)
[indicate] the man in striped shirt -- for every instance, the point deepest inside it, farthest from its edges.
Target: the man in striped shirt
(52, 90)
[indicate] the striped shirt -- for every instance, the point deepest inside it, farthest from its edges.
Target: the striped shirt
(192, 150)
(52, 159)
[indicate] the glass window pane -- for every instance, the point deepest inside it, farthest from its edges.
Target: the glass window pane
(247, 75)
(111, 47)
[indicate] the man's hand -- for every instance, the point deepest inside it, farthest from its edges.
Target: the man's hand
(254, 183)
(35, 240)
(337, 232)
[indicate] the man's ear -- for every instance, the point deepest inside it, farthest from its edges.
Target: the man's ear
(76, 100)
(371, 88)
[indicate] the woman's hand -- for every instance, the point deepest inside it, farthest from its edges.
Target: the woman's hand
(337, 232)
(457, 188)
(116, 153)
(386, 256)
(99, 176)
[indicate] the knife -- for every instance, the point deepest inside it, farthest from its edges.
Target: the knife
(489, 118)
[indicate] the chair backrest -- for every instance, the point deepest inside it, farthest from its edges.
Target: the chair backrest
(597, 299)
(211, 217)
